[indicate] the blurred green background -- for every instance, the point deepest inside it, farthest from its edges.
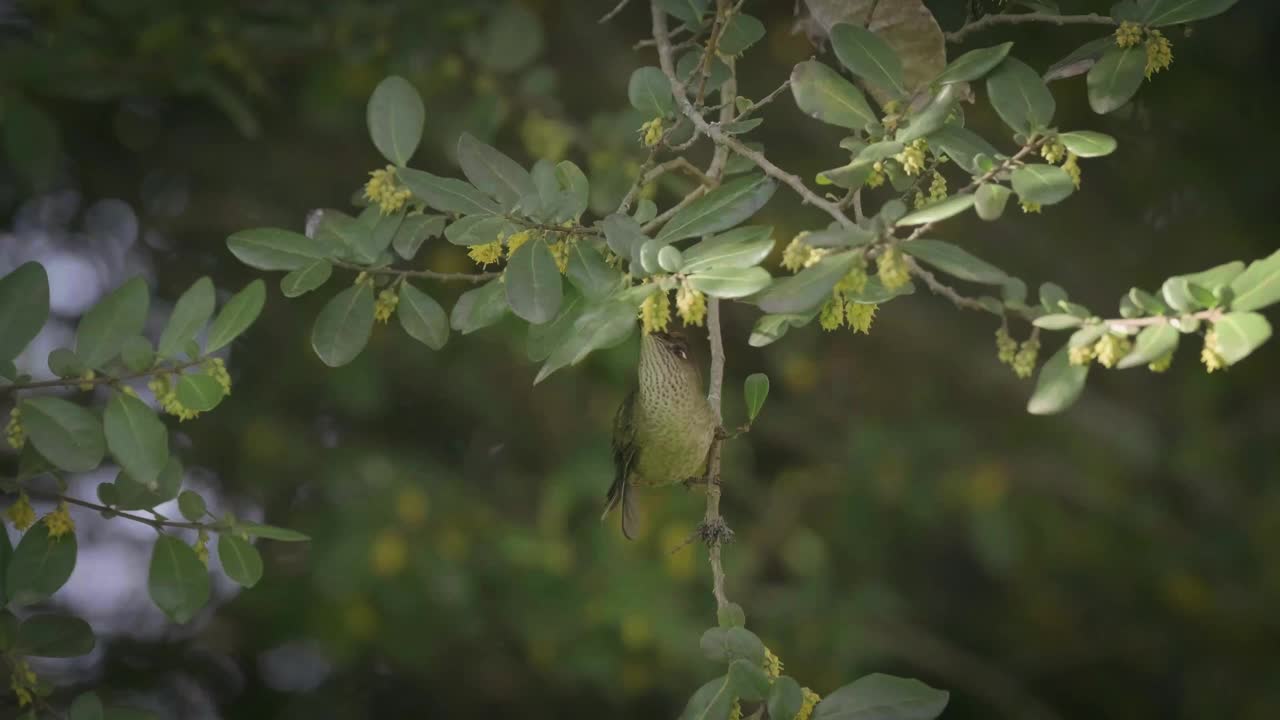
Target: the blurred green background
(896, 509)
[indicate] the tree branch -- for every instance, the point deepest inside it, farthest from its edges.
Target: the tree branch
(992, 20)
(99, 379)
(429, 274)
(156, 523)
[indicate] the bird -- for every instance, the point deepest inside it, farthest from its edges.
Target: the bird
(664, 428)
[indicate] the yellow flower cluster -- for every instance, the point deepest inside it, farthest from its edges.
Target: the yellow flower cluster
(1159, 53)
(386, 304)
(59, 521)
(202, 547)
(859, 316)
(1021, 358)
(912, 157)
(1211, 354)
(560, 252)
(891, 116)
(216, 368)
(1053, 152)
(1072, 168)
(831, 316)
(876, 178)
(1006, 346)
(855, 281)
(516, 239)
(799, 254)
(87, 377)
(651, 132)
(13, 430)
(1029, 207)
(486, 254)
(1128, 34)
(1082, 355)
(23, 682)
(655, 312)
(691, 305)
(167, 395)
(1161, 364)
(1111, 348)
(20, 513)
(735, 711)
(544, 137)
(772, 664)
(811, 700)
(892, 269)
(384, 189)
(841, 309)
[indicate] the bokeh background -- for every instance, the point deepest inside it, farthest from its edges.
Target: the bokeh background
(896, 509)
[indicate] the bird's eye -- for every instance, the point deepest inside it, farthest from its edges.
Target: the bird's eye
(681, 352)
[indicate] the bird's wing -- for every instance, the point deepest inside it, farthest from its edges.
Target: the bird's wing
(625, 453)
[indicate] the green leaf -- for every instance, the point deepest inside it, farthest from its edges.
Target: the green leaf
(623, 235)
(754, 391)
(578, 190)
(974, 64)
(86, 706)
(305, 279)
(1115, 78)
(1259, 285)
(133, 495)
(1057, 321)
(240, 560)
(735, 643)
(1177, 292)
(938, 211)
(395, 116)
(1087, 335)
(1020, 97)
(731, 615)
(479, 308)
(190, 314)
(955, 261)
(534, 290)
(990, 201)
(1044, 184)
(1240, 333)
(413, 231)
(962, 145)
(275, 249)
(882, 697)
(785, 698)
(40, 566)
(1058, 385)
(720, 209)
(138, 440)
(137, 354)
(199, 391)
(590, 273)
(24, 306)
(741, 247)
(650, 92)
(344, 325)
(64, 363)
(271, 532)
(730, 282)
(447, 194)
(770, 328)
(824, 95)
(236, 316)
(118, 316)
(1217, 276)
(808, 288)
(868, 57)
(493, 172)
(741, 32)
(931, 117)
(543, 339)
(191, 505)
(1153, 343)
(1087, 144)
(670, 259)
(712, 701)
(689, 11)
(749, 681)
(1051, 295)
(475, 229)
(177, 582)
(66, 434)
(1160, 13)
(422, 317)
(600, 326)
(55, 636)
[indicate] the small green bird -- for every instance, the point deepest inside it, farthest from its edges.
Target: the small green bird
(664, 428)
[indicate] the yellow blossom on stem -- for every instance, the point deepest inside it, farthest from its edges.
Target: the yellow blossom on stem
(691, 305)
(384, 190)
(1082, 355)
(166, 394)
(855, 281)
(486, 254)
(560, 253)
(1072, 168)
(202, 547)
(772, 664)
(1161, 364)
(876, 178)
(735, 711)
(515, 240)
(1128, 34)
(796, 253)
(811, 700)
(912, 157)
(832, 314)
(13, 430)
(651, 132)
(1024, 363)
(859, 316)
(655, 312)
(1211, 354)
(1053, 152)
(937, 187)
(23, 682)
(1006, 346)
(386, 304)
(20, 513)
(59, 521)
(216, 369)
(1110, 348)
(87, 377)
(1159, 53)
(1029, 207)
(892, 269)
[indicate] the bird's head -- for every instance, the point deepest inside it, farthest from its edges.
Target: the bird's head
(673, 343)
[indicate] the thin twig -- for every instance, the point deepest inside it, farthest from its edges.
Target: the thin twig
(612, 13)
(100, 379)
(429, 274)
(1015, 19)
(746, 112)
(670, 212)
(711, 520)
(155, 523)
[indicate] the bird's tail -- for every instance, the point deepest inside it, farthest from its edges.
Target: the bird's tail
(620, 494)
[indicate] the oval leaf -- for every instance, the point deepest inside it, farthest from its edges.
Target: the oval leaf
(115, 318)
(493, 172)
(590, 273)
(1259, 285)
(64, 433)
(177, 581)
(1020, 97)
(344, 325)
(722, 208)
(824, 95)
(240, 560)
(24, 306)
(1153, 343)
(190, 314)
(809, 287)
(974, 64)
(1115, 78)
(40, 565)
(730, 282)
(1086, 143)
(882, 697)
(990, 200)
(275, 249)
(422, 317)
(479, 308)
(236, 316)
(1240, 333)
(738, 248)
(1044, 184)
(55, 636)
(955, 261)
(650, 92)
(395, 116)
(868, 57)
(199, 391)
(601, 326)
(447, 194)
(1058, 385)
(305, 279)
(938, 211)
(755, 390)
(138, 440)
(534, 290)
